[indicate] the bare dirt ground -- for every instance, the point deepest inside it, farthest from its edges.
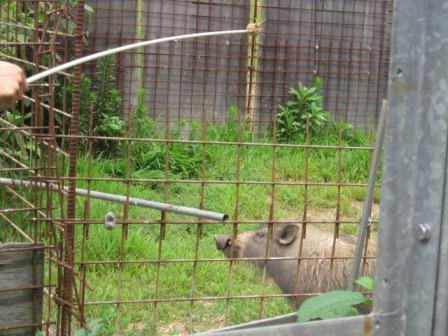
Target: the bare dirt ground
(329, 215)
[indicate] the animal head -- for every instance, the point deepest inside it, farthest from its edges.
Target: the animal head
(253, 244)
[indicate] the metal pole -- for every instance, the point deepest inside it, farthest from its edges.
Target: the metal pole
(367, 207)
(211, 215)
(251, 29)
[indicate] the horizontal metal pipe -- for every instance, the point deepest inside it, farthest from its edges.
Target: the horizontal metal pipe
(129, 47)
(205, 142)
(216, 216)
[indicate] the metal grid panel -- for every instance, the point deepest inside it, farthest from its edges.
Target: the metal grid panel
(411, 296)
(185, 80)
(344, 42)
(134, 275)
(28, 147)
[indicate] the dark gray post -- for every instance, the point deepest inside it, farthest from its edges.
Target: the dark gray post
(413, 237)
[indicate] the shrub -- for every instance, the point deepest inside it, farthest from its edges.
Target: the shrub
(303, 110)
(106, 101)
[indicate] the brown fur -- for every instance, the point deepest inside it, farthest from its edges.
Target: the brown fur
(304, 276)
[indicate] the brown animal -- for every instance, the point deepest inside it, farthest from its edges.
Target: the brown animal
(316, 272)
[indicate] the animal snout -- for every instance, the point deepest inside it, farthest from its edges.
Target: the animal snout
(222, 242)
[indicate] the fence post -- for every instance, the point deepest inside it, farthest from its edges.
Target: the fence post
(412, 277)
(69, 231)
(253, 52)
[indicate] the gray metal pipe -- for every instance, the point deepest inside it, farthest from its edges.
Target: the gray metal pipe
(215, 216)
(367, 206)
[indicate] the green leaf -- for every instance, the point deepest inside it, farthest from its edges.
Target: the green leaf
(294, 91)
(318, 82)
(95, 327)
(328, 304)
(81, 332)
(366, 282)
(342, 311)
(21, 37)
(88, 9)
(68, 25)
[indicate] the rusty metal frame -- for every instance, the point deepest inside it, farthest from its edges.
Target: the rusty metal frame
(46, 41)
(68, 288)
(411, 297)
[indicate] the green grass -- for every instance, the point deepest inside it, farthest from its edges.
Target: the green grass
(207, 279)
(138, 281)
(182, 280)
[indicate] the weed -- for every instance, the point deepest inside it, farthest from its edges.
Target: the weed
(144, 127)
(304, 110)
(106, 102)
(14, 142)
(93, 329)
(234, 129)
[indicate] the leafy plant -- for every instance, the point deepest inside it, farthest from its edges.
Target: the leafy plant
(106, 101)
(14, 142)
(148, 158)
(110, 126)
(234, 129)
(333, 304)
(86, 98)
(303, 110)
(93, 329)
(23, 15)
(143, 125)
(107, 95)
(183, 160)
(231, 130)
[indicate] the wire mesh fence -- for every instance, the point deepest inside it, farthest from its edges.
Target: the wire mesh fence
(36, 35)
(195, 123)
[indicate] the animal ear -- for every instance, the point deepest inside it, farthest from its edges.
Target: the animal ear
(287, 234)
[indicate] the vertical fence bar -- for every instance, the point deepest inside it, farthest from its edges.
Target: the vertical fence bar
(368, 201)
(67, 287)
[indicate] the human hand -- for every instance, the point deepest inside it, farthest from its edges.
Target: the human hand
(12, 84)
